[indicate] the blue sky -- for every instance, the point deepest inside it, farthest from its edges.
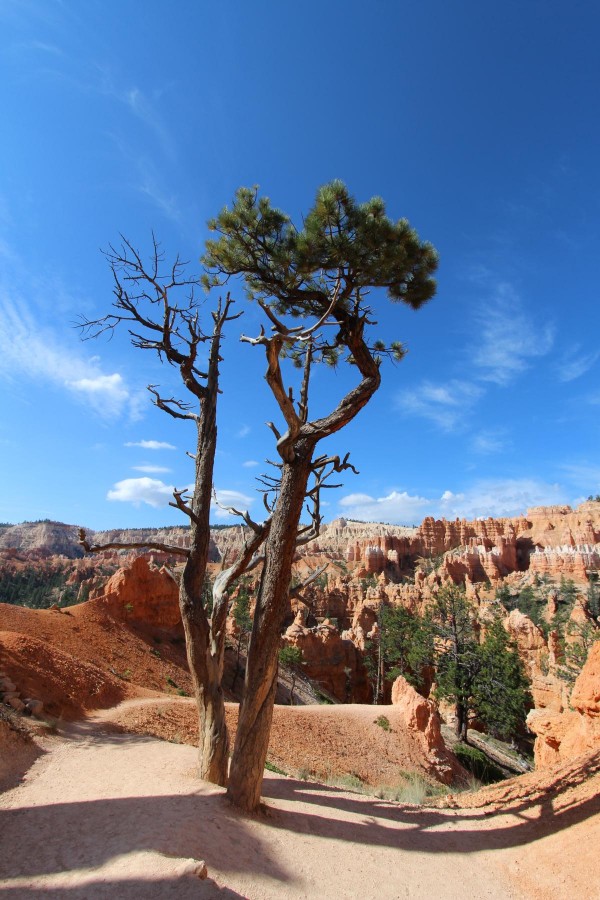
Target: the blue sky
(479, 122)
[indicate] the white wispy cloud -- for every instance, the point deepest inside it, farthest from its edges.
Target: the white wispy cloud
(487, 442)
(140, 105)
(166, 202)
(574, 363)
(29, 349)
(150, 130)
(152, 470)
(244, 431)
(506, 337)
(504, 341)
(446, 405)
(39, 46)
(502, 497)
(250, 464)
(151, 445)
(150, 491)
(103, 387)
(154, 492)
(397, 507)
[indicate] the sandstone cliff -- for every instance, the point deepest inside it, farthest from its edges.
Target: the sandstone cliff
(562, 736)
(330, 659)
(422, 719)
(143, 593)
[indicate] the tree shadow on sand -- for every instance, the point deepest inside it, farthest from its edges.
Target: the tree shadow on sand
(518, 822)
(130, 889)
(59, 837)
(86, 835)
(49, 839)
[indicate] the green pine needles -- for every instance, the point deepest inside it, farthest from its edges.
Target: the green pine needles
(343, 249)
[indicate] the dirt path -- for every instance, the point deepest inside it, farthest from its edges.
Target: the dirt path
(121, 816)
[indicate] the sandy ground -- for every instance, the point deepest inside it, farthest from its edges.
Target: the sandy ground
(102, 814)
(121, 815)
(319, 741)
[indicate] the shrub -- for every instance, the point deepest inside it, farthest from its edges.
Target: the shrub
(348, 782)
(383, 722)
(413, 789)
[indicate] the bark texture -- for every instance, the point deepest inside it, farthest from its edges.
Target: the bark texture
(204, 649)
(256, 710)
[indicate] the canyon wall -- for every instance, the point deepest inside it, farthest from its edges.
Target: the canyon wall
(551, 540)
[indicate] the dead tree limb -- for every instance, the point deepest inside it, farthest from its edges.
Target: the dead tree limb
(159, 306)
(130, 545)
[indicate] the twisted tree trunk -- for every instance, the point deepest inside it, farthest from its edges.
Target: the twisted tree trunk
(256, 709)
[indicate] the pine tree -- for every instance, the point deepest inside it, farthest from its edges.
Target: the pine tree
(484, 680)
(407, 641)
(318, 275)
(403, 646)
(457, 653)
(501, 696)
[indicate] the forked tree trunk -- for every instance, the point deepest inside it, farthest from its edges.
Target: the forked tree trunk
(296, 449)
(256, 709)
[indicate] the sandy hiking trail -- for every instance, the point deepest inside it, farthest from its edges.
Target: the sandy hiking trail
(103, 814)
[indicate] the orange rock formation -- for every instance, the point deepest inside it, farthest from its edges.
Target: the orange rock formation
(562, 736)
(421, 718)
(144, 593)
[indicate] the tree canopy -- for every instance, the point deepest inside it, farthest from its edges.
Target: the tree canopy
(340, 239)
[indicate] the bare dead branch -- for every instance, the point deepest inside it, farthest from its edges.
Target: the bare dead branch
(322, 469)
(303, 404)
(181, 410)
(146, 298)
(278, 326)
(148, 545)
(245, 515)
(246, 560)
(303, 334)
(273, 429)
(182, 503)
(307, 581)
(334, 461)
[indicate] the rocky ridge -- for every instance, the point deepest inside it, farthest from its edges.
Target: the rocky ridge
(548, 539)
